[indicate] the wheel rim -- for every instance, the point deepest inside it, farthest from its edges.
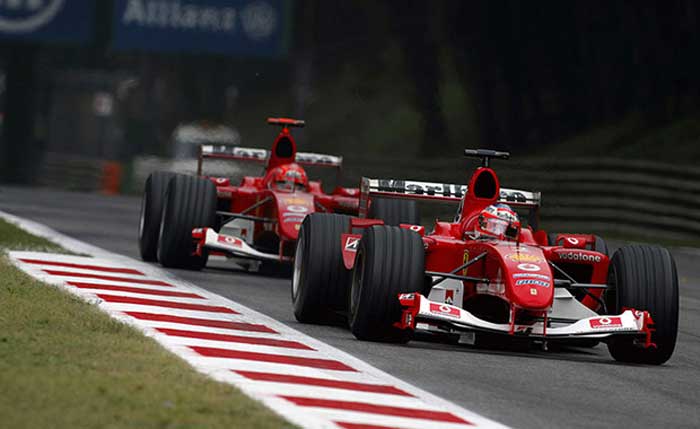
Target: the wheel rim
(142, 220)
(296, 275)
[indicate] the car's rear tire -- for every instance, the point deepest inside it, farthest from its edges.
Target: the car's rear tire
(152, 213)
(394, 212)
(645, 278)
(390, 261)
(190, 203)
(319, 279)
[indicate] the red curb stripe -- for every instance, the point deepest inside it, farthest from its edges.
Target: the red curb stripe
(348, 425)
(82, 266)
(81, 285)
(363, 407)
(112, 278)
(266, 357)
(322, 382)
(223, 324)
(168, 304)
(235, 339)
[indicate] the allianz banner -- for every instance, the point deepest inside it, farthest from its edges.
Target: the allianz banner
(53, 21)
(229, 27)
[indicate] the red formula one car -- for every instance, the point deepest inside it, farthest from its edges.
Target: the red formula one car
(184, 217)
(484, 275)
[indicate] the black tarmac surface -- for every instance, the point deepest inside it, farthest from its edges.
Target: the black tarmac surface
(572, 388)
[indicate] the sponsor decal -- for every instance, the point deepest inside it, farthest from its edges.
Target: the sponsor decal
(294, 200)
(297, 227)
(606, 322)
(227, 239)
(444, 309)
(405, 296)
(351, 244)
(318, 158)
(579, 257)
(529, 267)
(524, 257)
(530, 276)
(572, 240)
(297, 209)
(524, 282)
(27, 16)
(533, 291)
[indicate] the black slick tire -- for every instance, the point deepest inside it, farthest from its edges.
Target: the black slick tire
(152, 213)
(394, 212)
(190, 203)
(390, 261)
(645, 278)
(319, 279)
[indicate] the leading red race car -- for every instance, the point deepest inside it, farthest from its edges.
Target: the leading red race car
(484, 275)
(184, 217)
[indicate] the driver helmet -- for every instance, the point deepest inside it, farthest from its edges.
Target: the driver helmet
(288, 178)
(498, 221)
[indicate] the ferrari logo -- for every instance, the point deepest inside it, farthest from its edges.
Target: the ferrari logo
(533, 291)
(464, 261)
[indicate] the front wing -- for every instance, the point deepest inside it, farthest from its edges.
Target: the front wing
(419, 309)
(207, 238)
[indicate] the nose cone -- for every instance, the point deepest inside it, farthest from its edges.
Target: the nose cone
(529, 283)
(292, 209)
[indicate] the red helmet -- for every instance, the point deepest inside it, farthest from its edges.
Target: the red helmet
(288, 178)
(498, 221)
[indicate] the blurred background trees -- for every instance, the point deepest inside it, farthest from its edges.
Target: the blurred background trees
(405, 78)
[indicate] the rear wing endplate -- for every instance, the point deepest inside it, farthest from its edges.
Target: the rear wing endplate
(262, 155)
(391, 188)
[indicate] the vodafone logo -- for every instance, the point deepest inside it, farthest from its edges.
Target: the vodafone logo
(444, 309)
(605, 322)
(529, 267)
(579, 257)
(573, 240)
(25, 16)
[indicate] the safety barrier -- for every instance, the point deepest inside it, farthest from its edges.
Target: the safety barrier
(603, 195)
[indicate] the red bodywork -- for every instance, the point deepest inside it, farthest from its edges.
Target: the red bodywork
(519, 282)
(277, 214)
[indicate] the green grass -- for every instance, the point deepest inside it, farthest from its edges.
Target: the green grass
(14, 238)
(65, 364)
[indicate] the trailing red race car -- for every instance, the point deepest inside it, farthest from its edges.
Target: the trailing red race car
(484, 275)
(184, 217)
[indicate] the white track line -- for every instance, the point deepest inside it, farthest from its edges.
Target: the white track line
(305, 380)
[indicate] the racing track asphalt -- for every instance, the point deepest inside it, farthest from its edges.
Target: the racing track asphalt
(572, 388)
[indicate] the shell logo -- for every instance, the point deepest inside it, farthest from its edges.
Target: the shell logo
(28, 15)
(524, 257)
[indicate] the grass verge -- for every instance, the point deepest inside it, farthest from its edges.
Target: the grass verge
(65, 364)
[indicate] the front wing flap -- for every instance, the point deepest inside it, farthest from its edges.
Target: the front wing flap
(419, 309)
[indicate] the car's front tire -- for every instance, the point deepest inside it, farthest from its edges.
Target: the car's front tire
(152, 213)
(390, 261)
(319, 279)
(645, 278)
(190, 203)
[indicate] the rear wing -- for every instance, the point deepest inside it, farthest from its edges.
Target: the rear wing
(432, 191)
(262, 155)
